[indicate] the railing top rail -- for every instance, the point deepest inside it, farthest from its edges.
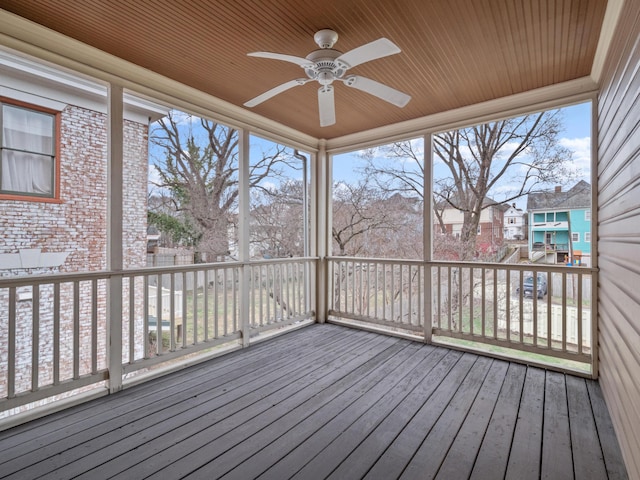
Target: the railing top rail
(27, 280)
(451, 264)
(394, 261)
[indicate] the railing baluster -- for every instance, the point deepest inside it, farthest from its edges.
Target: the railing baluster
(459, 299)
(11, 350)
(271, 294)
(578, 278)
(145, 320)
(449, 298)
(392, 274)
(508, 302)
(159, 315)
(225, 301)
(534, 299)
(205, 300)
(216, 308)
(234, 298)
(132, 331)
(384, 291)
(185, 318)
(471, 300)
(495, 303)
(76, 329)
(564, 311)
(295, 288)
(287, 279)
(94, 326)
(196, 281)
(549, 312)
(411, 277)
(262, 291)
(420, 271)
(56, 333)
(172, 312)
(35, 344)
(483, 300)
(439, 297)
(535, 315)
(400, 290)
(376, 290)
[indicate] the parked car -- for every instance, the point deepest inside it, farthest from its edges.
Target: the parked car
(527, 286)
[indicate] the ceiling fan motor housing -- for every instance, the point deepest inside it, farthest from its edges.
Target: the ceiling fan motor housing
(325, 69)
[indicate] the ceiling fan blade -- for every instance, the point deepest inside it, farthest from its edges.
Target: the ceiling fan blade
(275, 91)
(303, 62)
(326, 106)
(378, 89)
(371, 51)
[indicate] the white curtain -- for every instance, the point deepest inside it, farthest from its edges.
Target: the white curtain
(28, 149)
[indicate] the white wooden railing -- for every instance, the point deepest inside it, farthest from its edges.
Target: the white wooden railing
(55, 328)
(483, 303)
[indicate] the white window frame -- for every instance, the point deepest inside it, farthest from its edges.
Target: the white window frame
(575, 236)
(587, 237)
(587, 215)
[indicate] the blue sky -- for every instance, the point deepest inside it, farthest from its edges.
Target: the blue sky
(576, 136)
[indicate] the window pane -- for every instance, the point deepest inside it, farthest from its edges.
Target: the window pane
(27, 173)
(193, 200)
(378, 201)
(529, 173)
(27, 130)
(278, 194)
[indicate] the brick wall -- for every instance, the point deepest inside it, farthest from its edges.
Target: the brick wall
(76, 225)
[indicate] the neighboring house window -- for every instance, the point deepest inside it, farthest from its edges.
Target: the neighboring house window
(587, 236)
(587, 215)
(28, 147)
(575, 236)
(512, 221)
(479, 230)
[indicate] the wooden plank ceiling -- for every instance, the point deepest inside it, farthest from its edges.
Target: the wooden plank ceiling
(454, 52)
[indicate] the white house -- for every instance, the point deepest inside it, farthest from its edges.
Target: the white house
(514, 223)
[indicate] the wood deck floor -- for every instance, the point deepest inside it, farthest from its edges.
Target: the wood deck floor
(330, 402)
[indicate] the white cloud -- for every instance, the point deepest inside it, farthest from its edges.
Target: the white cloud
(581, 148)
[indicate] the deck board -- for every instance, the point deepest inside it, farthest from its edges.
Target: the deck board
(493, 454)
(557, 457)
(526, 446)
(330, 402)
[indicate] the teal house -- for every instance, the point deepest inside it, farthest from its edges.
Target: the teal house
(560, 225)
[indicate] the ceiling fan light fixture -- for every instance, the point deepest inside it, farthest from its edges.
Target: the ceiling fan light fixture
(325, 38)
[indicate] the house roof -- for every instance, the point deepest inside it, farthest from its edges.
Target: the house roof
(577, 197)
(454, 53)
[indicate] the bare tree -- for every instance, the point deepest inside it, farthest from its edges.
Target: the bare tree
(277, 227)
(360, 213)
(198, 166)
(522, 152)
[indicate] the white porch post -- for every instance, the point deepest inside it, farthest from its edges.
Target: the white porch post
(427, 231)
(321, 166)
(114, 235)
(594, 237)
(243, 234)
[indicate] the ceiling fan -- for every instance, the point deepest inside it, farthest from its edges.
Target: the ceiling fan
(326, 65)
